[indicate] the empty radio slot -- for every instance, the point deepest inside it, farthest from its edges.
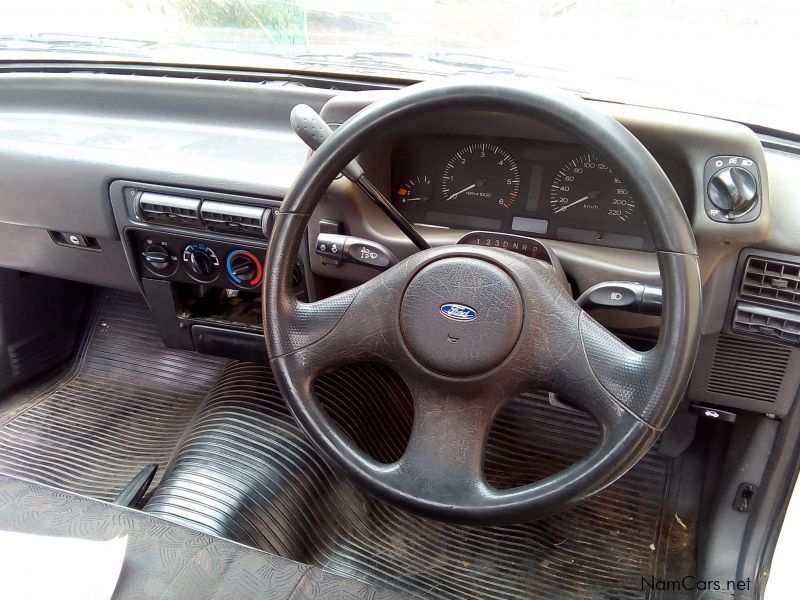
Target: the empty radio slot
(230, 307)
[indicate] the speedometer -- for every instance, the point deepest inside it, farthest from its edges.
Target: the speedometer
(587, 188)
(481, 175)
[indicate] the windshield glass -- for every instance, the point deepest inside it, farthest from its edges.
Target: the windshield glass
(727, 58)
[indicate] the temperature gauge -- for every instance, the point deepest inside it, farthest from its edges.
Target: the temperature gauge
(416, 190)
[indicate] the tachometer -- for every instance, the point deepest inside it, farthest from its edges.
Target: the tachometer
(481, 175)
(588, 189)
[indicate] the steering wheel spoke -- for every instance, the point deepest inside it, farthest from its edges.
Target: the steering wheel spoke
(628, 376)
(595, 370)
(347, 328)
(572, 370)
(444, 457)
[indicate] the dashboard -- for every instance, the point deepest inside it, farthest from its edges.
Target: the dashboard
(77, 148)
(533, 188)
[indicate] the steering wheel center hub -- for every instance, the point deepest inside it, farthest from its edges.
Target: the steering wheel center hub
(461, 316)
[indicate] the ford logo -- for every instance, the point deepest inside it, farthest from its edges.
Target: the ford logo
(458, 312)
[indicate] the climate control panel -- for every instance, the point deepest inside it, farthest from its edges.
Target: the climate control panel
(188, 259)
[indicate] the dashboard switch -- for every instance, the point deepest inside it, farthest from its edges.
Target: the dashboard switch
(354, 250)
(326, 226)
(365, 252)
(732, 189)
(243, 268)
(623, 295)
(331, 246)
(157, 257)
(201, 262)
(615, 296)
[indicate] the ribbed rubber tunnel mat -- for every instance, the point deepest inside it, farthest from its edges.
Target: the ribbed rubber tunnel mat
(247, 473)
(126, 403)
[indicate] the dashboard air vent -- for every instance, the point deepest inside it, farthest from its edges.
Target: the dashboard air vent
(769, 300)
(170, 210)
(233, 218)
(774, 281)
(781, 324)
(748, 368)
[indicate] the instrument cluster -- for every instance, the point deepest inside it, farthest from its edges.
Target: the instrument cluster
(539, 189)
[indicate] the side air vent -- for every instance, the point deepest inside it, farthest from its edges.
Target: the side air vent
(774, 281)
(169, 210)
(780, 324)
(748, 368)
(769, 300)
(233, 218)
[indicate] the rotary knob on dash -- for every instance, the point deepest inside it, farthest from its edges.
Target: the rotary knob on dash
(733, 190)
(201, 262)
(244, 268)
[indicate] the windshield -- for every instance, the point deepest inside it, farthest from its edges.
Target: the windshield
(726, 58)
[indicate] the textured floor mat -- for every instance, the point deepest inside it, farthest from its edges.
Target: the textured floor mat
(126, 403)
(246, 472)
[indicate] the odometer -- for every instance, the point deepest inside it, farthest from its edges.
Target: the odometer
(587, 188)
(481, 175)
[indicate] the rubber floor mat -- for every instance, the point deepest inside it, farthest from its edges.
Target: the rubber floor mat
(246, 472)
(125, 403)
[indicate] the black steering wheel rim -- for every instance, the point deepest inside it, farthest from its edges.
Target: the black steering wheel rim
(632, 394)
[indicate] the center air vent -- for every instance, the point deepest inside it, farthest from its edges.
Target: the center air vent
(233, 218)
(769, 300)
(169, 210)
(184, 211)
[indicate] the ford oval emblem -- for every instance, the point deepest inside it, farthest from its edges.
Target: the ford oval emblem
(458, 312)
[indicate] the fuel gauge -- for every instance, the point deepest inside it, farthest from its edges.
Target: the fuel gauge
(415, 190)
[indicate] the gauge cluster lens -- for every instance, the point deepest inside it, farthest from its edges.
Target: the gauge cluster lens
(416, 189)
(481, 175)
(523, 187)
(588, 190)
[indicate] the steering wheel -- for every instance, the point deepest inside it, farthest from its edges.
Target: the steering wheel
(469, 328)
